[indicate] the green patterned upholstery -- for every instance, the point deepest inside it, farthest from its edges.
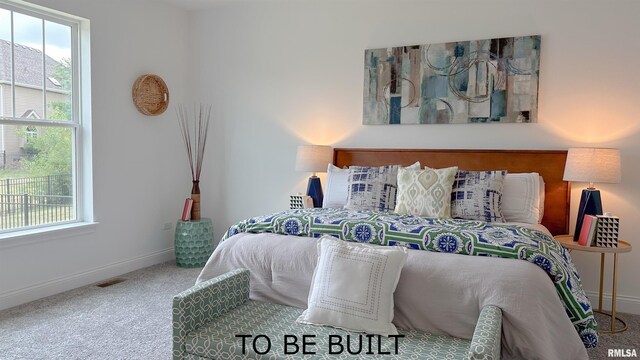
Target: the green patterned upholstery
(200, 305)
(205, 328)
(485, 344)
(194, 357)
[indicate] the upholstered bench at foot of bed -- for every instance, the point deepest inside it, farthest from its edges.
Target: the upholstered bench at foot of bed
(215, 336)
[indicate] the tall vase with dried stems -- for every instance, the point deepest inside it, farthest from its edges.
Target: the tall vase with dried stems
(195, 196)
(194, 135)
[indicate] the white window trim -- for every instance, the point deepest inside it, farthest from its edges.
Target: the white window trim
(52, 232)
(82, 176)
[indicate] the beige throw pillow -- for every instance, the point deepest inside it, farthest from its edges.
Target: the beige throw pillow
(425, 193)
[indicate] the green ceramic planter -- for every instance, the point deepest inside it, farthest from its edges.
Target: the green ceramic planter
(193, 242)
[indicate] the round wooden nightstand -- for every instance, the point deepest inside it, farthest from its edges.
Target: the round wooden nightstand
(567, 242)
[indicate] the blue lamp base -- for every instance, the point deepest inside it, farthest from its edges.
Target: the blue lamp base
(315, 191)
(590, 204)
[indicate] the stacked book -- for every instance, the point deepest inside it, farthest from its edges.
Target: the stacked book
(186, 211)
(599, 230)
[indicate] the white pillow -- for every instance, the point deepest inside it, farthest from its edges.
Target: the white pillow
(521, 198)
(335, 194)
(542, 194)
(352, 286)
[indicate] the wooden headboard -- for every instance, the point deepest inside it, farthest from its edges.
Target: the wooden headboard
(548, 163)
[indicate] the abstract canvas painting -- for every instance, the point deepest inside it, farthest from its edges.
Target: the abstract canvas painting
(478, 81)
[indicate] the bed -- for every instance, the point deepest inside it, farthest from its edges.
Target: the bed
(439, 293)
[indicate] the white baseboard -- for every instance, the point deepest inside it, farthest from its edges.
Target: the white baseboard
(626, 304)
(34, 292)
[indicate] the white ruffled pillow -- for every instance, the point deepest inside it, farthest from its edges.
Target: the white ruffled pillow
(352, 286)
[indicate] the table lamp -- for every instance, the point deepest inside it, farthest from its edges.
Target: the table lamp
(592, 165)
(314, 158)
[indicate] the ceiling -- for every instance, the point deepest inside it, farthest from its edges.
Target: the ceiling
(192, 4)
(201, 4)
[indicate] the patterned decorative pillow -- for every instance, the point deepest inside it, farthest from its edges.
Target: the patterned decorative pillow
(352, 286)
(425, 193)
(477, 195)
(374, 188)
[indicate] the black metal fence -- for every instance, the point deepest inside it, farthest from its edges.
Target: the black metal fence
(35, 201)
(28, 210)
(37, 185)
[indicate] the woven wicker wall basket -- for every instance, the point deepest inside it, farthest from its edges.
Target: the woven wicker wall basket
(150, 94)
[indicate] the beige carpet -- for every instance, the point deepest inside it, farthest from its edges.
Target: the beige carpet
(629, 339)
(132, 320)
(129, 320)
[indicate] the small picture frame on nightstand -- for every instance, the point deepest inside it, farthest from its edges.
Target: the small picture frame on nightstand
(607, 231)
(300, 202)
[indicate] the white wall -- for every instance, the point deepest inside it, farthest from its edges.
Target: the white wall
(140, 176)
(284, 73)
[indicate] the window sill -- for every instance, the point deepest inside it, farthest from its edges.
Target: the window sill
(32, 236)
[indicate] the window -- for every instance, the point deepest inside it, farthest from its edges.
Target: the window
(31, 133)
(42, 92)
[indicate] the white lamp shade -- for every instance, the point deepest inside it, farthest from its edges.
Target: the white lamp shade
(313, 158)
(593, 165)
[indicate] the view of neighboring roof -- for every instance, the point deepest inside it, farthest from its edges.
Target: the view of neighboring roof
(28, 69)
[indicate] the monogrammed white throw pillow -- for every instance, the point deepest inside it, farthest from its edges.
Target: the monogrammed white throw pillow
(353, 285)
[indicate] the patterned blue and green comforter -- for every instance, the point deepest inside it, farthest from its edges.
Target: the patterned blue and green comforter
(442, 235)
